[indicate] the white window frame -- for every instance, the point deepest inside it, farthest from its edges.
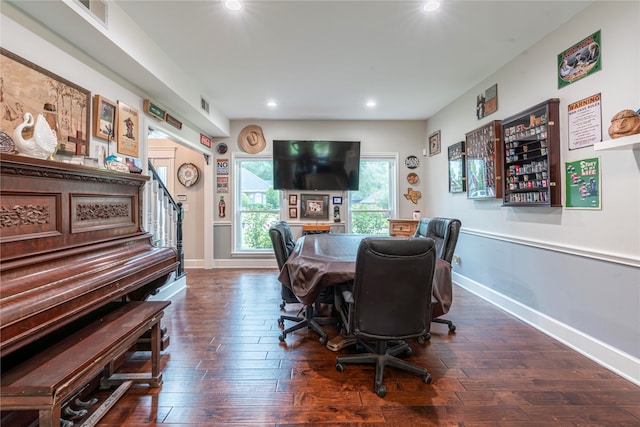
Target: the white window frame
(393, 197)
(236, 160)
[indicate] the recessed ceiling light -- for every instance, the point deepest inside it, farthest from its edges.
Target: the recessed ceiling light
(371, 104)
(431, 6)
(233, 4)
(272, 104)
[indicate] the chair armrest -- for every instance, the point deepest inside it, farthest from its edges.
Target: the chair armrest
(347, 296)
(345, 290)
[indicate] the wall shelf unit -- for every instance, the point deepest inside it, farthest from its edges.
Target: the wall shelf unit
(631, 142)
(531, 149)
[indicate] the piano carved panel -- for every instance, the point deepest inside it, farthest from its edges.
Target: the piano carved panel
(90, 213)
(29, 216)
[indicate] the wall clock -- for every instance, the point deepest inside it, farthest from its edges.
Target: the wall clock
(412, 162)
(188, 174)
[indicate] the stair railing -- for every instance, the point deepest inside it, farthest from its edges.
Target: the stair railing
(165, 217)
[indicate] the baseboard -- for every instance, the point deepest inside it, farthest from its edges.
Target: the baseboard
(194, 263)
(609, 357)
(245, 263)
(166, 292)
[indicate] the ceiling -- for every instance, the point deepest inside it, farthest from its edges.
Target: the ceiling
(325, 59)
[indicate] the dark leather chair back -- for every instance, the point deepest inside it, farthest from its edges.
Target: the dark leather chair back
(283, 244)
(390, 298)
(282, 241)
(444, 231)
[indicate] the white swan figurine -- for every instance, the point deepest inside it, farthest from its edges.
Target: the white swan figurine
(44, 141)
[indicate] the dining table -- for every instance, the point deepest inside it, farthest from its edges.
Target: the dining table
(319, 261)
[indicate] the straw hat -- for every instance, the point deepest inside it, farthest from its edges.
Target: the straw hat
(251, 139)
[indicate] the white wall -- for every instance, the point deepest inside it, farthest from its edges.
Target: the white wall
(572, 273)
(398, 137)
(531, 79)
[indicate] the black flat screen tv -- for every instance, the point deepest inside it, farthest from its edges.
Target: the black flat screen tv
(316, 165)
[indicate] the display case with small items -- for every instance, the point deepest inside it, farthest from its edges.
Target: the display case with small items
(484, 162)
(532, 156)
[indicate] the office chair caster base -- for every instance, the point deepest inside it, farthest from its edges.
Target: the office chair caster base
(380, 390)
(425, 337)
(282, 305)
(323, 340)
(282, 337)
(452, 328)
(339, 367)
(427, 379)
(280, 321)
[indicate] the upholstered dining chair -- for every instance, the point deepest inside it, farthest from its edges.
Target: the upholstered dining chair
(388, 303)
(283, 244)
(444, 231)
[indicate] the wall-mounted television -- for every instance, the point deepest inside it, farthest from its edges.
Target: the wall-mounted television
(316, 165)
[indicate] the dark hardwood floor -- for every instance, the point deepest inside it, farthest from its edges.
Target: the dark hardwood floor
(226, 366)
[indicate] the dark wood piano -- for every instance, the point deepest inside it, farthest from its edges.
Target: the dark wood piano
(76, 268)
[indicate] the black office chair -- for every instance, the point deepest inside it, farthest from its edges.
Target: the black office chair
(388, 303)
(444, 231)
(283, 243)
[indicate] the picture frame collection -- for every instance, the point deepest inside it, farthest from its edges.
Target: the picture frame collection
(81, 118)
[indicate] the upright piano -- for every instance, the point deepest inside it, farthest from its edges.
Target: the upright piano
(72, 246)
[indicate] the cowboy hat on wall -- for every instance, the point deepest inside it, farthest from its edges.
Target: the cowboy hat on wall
(251, 139)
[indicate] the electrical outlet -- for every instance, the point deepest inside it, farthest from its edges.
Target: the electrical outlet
(457, 260)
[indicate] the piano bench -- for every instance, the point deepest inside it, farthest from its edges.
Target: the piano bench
(46, 381)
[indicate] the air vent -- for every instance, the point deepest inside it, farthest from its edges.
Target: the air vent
(97, 8)
(204, 104)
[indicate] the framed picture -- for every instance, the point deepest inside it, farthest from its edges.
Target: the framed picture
(434, 143)
(457, 170)
(583, 184)
(487, 102)
(293, 199)
(337, 200)
(580, 60)
(127, 130)
(293, 212)
(105, 118)
(27, 87)
(315, 206)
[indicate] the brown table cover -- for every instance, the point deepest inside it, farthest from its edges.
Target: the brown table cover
(322, 260)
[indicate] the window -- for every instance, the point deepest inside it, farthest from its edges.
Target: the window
(257, 204)
(374, 203)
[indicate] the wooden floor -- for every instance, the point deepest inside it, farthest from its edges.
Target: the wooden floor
(226, 366)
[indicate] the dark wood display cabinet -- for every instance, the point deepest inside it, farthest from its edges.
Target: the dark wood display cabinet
(484, 162)
(532, 156)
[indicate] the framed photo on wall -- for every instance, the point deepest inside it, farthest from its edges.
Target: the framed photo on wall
(293, 199)
(127, 130)
(434, 143)
(293, 212)
(105, 118)
(314, 206)
(27, 87)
